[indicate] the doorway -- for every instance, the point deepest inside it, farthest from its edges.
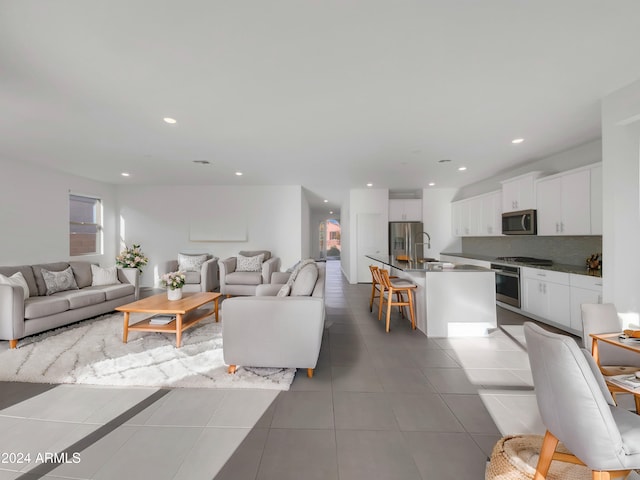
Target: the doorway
(329, 239)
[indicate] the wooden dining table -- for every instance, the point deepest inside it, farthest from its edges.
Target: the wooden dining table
(627, 344)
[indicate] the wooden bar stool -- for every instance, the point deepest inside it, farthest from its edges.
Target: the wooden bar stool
(376, 288)
(399, 287)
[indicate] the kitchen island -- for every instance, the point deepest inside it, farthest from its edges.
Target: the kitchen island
(452, 300)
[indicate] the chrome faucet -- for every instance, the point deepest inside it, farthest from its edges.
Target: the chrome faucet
(428, 243)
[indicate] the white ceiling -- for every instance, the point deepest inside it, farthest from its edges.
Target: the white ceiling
(326, 94)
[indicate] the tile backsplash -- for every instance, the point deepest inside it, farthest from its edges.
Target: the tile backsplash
(565, 249)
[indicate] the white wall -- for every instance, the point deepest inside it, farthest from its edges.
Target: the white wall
(159, 219)
(367, 201)
(35, 214)
(621, 206)
(436, 217)
(305, 231)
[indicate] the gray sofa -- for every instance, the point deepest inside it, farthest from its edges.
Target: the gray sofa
(205, 279)
(20, 317)
(233, 282)
(275, 331)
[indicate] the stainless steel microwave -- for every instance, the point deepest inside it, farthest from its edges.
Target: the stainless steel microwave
(523, 222)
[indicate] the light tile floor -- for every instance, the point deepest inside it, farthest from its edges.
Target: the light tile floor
(397, 406)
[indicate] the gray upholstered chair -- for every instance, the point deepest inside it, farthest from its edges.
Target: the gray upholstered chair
(269, 330)
(578, 410)
(201, 271)
(235, 282)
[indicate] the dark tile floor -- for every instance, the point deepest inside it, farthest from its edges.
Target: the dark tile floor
(386, 406)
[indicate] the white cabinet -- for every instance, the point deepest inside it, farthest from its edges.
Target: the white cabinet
(545, 294)
(405, 210)
(519, 193)
(564, 204)
(460, 219)
(491, 214)
(584, 289)
(477, 216)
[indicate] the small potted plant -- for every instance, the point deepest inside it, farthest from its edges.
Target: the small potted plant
(174, 281)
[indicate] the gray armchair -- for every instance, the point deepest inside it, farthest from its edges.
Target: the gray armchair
(201, 276)
(577, 409)
(234, 282)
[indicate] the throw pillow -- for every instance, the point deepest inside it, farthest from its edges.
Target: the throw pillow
(249, 264)
(284, 291)
(190, 263)
(296, 269)
(16, 280)
(103, 275)
(305, 281)
(59, 281)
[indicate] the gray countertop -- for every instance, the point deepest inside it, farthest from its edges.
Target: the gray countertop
(556, 267)
(431, 267)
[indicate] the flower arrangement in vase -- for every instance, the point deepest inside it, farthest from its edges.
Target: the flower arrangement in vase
(174, 281)
(132, 258)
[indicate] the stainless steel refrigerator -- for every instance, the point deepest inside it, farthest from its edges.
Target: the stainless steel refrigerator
(405, 239)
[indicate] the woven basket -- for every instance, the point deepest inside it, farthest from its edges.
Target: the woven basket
(515, 458)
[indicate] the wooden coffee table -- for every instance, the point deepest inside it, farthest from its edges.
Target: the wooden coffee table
(186, 312)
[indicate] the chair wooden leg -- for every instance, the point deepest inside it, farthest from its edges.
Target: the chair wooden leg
(13, 343)
(389, 301)
(546, 455)
(411, 314)
(380, 305)
(373, 296)
(232, 368)
(310, 372)
(637, 399)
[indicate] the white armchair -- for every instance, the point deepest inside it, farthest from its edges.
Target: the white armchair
(234, 282)
(201, 271)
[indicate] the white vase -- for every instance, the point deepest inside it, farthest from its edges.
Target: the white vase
(175, 294)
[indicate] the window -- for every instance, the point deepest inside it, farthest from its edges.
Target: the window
(85, 225)
(334, 235)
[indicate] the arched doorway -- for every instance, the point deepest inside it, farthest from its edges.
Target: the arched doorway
(332, 248)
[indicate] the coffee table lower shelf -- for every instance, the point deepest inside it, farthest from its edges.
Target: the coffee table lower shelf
(186, 321)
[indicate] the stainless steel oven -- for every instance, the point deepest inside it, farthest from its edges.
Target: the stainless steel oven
(507, 284)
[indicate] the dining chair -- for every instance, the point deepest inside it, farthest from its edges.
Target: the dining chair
(578, 410)
(399, 288)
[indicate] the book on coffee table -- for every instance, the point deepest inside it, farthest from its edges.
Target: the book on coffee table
(161, 319)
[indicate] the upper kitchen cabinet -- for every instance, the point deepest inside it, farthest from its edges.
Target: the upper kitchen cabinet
(565, 202)
(477, 216)
(519, 193)
(405, 210)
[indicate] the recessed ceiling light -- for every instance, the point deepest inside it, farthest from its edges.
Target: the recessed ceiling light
(125, 174)
(369, 184)
(202, 162)
(169, 120)
(432, 184)
(462, 169)
(517, 140)
(239, 174)
(331, 212)
(326, 201)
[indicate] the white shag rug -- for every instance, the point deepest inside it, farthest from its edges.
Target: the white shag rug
(92, 352)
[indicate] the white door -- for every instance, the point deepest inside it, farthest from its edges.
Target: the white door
(370, 240)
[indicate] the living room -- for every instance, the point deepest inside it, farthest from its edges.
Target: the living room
(85, 104)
